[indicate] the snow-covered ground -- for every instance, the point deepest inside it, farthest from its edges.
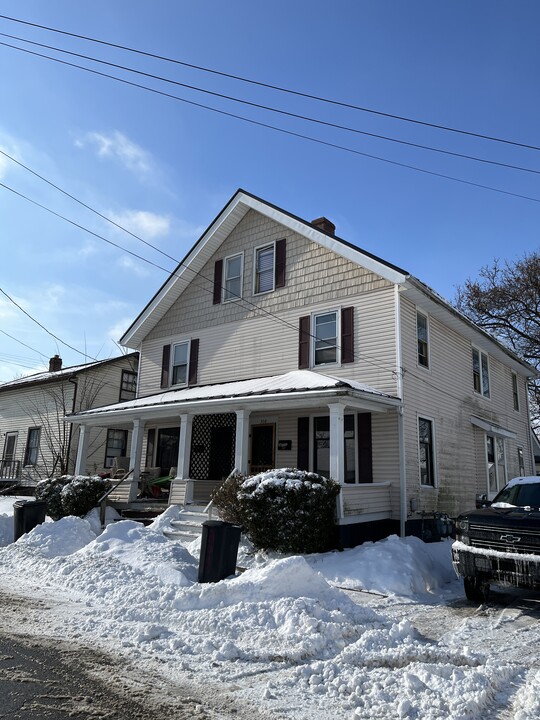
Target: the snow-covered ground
(379, 631)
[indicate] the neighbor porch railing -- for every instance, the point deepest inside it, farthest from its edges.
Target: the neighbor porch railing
(102, 502)
(10, 469)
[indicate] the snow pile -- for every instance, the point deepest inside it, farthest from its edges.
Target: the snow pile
(280, 634)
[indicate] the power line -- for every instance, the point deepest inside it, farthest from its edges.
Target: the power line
(280, 130)
(269, 108)
(22, 343)
(278, 88)
(33, 319)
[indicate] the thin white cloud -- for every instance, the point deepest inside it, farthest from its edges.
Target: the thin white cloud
(147, 225)
(118, 146)
(119, 328)
(134, 267)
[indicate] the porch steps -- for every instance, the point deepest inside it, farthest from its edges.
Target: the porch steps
(189, 524)
(143, 513)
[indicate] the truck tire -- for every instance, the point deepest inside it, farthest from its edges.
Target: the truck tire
(476, 589)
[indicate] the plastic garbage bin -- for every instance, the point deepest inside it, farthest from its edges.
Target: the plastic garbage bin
(219, 550)
(26, 515)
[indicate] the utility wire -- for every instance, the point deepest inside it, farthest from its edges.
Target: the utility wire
(22, 343)
(278, 88)
(269, 108)
(251, 306)
(33, 319)
(278, 129)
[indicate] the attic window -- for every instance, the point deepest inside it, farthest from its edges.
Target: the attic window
(232, 281)
(264, 269)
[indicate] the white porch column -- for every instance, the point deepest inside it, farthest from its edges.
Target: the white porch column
(82, 450)
(242, 441)
(136, 449)
(337, 447)
(184, 447)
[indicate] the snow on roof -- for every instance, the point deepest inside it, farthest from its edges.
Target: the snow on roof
(295, 381)
(48, 376)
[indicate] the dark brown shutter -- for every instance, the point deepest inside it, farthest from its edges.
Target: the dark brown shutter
(193, 361)
(347, 335)
(302, 453)
(218, 277)
(304, 343)
(365, 449)
(280, 263)
(165, 364)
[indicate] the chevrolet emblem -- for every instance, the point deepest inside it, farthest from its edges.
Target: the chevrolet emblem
(510, 538)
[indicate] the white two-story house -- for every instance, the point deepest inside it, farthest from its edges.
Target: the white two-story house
(276, 343)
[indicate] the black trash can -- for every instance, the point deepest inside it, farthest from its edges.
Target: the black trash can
(219, 550)
(26, 515)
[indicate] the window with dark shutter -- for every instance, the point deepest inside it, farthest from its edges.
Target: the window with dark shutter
(165, 363)
(347, 335)
(304, 343)
(302, 453)
(280, 263)
(218, 276)
(193, 361)
(365, 448)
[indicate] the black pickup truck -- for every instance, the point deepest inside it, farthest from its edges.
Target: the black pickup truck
(500, 543)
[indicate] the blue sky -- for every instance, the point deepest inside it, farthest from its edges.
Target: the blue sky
(164, 168)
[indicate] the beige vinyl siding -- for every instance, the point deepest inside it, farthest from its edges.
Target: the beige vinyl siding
(444, 394)
(239, 342)
(367, 499)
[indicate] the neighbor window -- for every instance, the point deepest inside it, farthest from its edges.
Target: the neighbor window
(32, 446)
(496, 463)
(515, 392)
(480, 372)
(325, 338)
(180, 357)
(422, 338)
(128, 385)
(232, 284)
(426, 452)
(116, 446)
(521, 461)
(264, 269)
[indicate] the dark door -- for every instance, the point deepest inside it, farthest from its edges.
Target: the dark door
(221, 453)
(262, 448)
(167, 448)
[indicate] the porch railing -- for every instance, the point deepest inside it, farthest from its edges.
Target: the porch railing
(10, 469)
(102, 502)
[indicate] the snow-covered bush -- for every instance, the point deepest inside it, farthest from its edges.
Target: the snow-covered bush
(287, 510)
(71, 494)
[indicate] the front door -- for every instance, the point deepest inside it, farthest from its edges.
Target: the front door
(262, 448)
(167, 448)
(221, 459)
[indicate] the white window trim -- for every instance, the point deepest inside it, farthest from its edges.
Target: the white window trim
(434, 446)
(224, 278)
(26, 447)
(313, 338)
(171, 369)
(480, 353)
(254, 283)
(15, 433)
(427, 367)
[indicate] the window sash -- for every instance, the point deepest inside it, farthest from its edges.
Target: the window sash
(128, 385)
(180, 363)
(521, 461)
(325, 344)
(32, 446)
(115, 446)
(496, 463)
(480, 365)
(422, 338)
(264, 269)
(426, 456)
(232, 287)
(515, 391)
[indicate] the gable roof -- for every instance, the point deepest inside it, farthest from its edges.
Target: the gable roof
(219, 229)
(64, 374)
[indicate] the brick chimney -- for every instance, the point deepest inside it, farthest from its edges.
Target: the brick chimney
(325, 224)
(55, 363)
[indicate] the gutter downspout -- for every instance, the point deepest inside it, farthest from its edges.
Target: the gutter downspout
(401, 424)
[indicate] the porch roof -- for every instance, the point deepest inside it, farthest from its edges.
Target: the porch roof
(282, 390)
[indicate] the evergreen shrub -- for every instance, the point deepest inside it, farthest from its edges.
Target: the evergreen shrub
(71, 494)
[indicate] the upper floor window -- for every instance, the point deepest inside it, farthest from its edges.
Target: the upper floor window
(422, 338)
(32, 446)
(515, 391)
(232, 277)
(128, 385)
(426, 452)
(180, 357)
(264, 269)
(325, 331)
(480, 372)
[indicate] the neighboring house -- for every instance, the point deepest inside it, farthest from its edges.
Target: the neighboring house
(536, 452)
(275, 343)
(35, 440)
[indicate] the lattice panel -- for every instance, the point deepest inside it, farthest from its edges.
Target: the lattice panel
(201, 441)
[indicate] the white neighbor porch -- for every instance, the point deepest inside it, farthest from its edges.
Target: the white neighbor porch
(273, 402)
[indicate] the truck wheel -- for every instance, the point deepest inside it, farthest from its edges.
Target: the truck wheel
(476, 589)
